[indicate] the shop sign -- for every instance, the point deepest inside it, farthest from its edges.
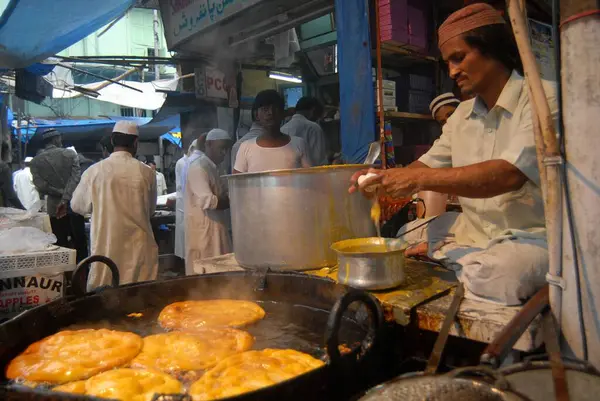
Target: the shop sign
(210, 82)
(184, 18)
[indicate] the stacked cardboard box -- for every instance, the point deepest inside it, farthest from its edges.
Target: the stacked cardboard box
(404, 23)
(414, 93)
(389, 94)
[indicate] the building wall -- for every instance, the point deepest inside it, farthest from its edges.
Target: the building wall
(133, 35)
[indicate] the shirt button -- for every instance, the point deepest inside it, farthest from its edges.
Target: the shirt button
(489, 130)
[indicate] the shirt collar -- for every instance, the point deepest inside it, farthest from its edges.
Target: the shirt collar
(508, 99)
(299, 116)
(120, 153)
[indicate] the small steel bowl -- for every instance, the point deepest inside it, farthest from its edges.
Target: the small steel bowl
(371, 263)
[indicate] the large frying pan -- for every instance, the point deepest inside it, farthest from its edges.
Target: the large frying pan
(314, 307)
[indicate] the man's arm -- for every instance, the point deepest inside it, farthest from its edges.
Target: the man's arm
(43, 186)
(198, 183)
(74, 179)
(81, 202)
(241, 162)
(318, 144)
(153, 195)
(482, 180)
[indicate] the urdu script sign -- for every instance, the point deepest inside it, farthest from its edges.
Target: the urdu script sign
(184, 18)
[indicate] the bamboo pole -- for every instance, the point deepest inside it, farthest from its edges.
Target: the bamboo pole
(548, 154)
(106, 83)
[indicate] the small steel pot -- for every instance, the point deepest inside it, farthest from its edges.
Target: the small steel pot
(371, 263)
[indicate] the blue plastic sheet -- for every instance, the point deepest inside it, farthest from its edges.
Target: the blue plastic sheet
(33, 30)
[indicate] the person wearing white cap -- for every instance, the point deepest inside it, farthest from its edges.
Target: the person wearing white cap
(206, 203)
(443, 106)
(120, 192)
(23, 184)
(179, 222)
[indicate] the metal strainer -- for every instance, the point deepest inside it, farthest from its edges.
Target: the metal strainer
(453, 386)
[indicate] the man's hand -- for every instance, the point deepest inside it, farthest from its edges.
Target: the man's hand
(366, 186)
(401, 182)
(61, 210)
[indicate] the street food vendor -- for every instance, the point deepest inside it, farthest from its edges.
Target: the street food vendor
(120, 192)
(487, 157)
(206, 203)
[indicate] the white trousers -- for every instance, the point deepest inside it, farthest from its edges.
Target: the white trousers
(508, 271)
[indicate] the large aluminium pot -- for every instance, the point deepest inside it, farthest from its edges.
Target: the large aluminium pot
(306, 313)
(288, 219)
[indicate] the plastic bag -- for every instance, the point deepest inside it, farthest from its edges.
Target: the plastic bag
(24, 239)
(11, 218)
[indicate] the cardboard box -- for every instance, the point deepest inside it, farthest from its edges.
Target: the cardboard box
(18, 294)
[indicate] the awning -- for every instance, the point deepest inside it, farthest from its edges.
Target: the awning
(148, 99)
(94, 130)
(32, 30)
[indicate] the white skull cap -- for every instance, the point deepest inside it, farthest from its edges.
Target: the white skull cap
(217, 134)
(126, 127)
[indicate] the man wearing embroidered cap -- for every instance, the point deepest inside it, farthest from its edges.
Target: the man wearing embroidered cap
(120, 193)
(56, 173)
(486, 156)
(206, 203)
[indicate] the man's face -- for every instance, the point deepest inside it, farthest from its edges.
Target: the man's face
(152, 166)
(443, 114)
(471, 70)
(269, 116)
(217, 150)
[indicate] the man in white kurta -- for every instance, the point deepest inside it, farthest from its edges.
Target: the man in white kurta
(206, 204)
(120, 192)
(161, 182)
(179, 222)
(23, 184)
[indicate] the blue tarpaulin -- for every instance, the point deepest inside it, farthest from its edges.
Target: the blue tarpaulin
(32, 30)
(94, 130)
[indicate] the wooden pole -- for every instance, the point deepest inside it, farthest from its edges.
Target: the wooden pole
(547, 149)
(380, 108)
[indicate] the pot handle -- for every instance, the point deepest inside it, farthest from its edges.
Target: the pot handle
(82, 271)
(335, 320)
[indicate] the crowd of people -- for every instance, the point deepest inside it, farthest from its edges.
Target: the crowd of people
(120, 192)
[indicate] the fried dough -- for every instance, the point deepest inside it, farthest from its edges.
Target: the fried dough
(74, 355)
(176, 351)
(192, 315)
(132, 384)
(251, 370)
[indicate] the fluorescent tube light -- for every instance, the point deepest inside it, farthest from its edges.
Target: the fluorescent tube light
(284, 77)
